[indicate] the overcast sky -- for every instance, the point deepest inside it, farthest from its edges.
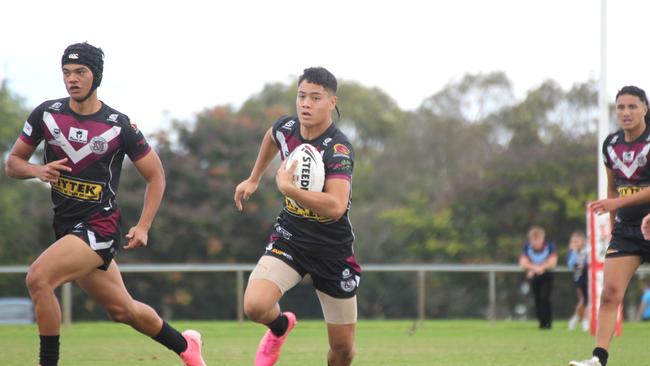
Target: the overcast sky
(172, 59)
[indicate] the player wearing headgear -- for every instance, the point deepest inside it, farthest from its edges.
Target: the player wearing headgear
(314, 237)
(85, 144)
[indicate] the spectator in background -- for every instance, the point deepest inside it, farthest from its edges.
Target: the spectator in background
(644, 307)
(579, 261)
(538, 258)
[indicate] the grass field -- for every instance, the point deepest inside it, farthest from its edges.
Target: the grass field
(386, 343)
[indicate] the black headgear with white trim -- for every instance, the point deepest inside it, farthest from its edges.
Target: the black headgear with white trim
(87, 55)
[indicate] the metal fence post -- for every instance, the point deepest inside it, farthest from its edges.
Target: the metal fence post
(66, 300)
(421, 295)
(492, 310)
(240, 296)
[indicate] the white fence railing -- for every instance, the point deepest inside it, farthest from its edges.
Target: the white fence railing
(419, 269)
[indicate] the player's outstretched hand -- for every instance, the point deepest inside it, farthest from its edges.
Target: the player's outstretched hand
(645, 227)
(605, 205)
(50, 172)
(244, 191)
(137, 238)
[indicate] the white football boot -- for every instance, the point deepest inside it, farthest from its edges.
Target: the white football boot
(594, 361)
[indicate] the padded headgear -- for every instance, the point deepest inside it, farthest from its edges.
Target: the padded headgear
(87, 55)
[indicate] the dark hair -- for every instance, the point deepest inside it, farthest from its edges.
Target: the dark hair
(321, 76)
(87, 55)
(638, 92)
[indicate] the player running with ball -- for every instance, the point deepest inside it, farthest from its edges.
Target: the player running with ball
(313, 234)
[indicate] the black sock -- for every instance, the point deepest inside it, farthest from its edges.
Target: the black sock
(171, 338)
(602, 355)
(279, 325)
(49, 355)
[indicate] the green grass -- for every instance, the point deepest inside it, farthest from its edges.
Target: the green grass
(386, 343)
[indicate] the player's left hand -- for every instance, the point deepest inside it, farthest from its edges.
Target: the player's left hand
(137, 236)
(605, 205)
(284, 177)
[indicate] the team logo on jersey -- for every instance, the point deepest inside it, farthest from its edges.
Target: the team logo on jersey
(113, 117)
(78, 135)
(56, 106)
(78, 189)
(628, 157)
(27, 129)
(98, 145)
(289, 125)
(341, 150)
(56, 132)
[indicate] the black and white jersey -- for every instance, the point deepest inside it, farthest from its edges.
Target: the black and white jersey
(301, 227)
(95, 146)
(629, 162)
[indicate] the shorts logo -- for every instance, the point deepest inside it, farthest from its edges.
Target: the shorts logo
(98, 145)
(78, 135)
(349, 285)
(78, 189)
(27, 129)
(269, 248)
(611, 251)
(282, 231)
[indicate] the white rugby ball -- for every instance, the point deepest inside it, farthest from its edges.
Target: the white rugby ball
(310, 171)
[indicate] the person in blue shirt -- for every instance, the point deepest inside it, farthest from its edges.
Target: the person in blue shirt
(538, 258)
(578, 260)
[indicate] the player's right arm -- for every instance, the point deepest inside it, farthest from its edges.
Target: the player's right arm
(267, 152)
(18, 165)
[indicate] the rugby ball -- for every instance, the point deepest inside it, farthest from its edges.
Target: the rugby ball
(310, 171)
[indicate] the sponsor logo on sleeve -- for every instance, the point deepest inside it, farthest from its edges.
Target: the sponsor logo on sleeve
(288, 125)
(56, 106)
(113, 117)
(27, 129)
(341, 150)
